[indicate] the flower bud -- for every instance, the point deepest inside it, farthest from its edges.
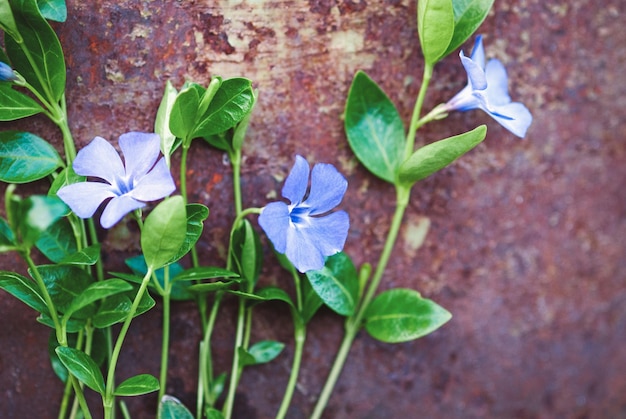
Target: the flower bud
(7, 73)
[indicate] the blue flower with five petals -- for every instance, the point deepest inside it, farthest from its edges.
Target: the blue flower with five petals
(487, 89)
(305, 230)
(130, 184)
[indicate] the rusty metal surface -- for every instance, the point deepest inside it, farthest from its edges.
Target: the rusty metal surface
(527, 242)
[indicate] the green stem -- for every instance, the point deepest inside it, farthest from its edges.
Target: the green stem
(235, 162)
(108, 399)
(417, 109)
(165, 344)
(80, 396)
(353, 324)
(234, 375)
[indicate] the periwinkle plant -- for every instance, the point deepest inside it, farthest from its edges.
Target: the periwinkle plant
(78, 301)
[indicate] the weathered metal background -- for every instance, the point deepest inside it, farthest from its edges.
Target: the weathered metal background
(527, 237)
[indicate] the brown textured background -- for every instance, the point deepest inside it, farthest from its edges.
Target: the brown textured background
(527, 237)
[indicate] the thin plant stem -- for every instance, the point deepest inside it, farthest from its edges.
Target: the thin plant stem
(108, 398)
(416, 122)
(165, 340)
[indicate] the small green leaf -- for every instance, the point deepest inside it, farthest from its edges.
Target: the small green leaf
(23, 289)
(374, 128)
(53, 9)
(212, 413)
(44, 65)
(468, 16)
(83, 367)
(400, 315)
(247, 252)
(213, 286)
(239, 134)
(7, 237)
(16, 105)
(435, 156)
(272, 293)
(171, 408)
(196, 214)
(36, 214)
(58, 241)
(265, 351)
(435, 25)
(311, 302)
(87, 256)
(183, 113)
(137, 385)
(97, 291)
(139, 267)
(67, 176)
(337, 284)
(112, 310)
(245, 358)
(57, 366)
(25, 157)
(230, 105)
(164, 232)
(204, 272)
(7, 21)
(64, 283)
(162, 121)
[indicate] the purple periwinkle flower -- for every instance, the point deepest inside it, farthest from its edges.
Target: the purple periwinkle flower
(487, 89)
(130, 184)
(305, 230)
(6, 72)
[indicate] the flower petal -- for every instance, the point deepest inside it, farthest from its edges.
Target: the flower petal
(329, 232)
(140, 151)
(475, 73)
(498, 88)
(156, 184)
(274, 220)
(297, 182)
(302, 250)
(99, 159)
(327, 188)
(478, 52)
(84, 198)
(117, 208)
(513, 116)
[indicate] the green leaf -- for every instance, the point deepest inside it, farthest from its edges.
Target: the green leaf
(23, 289)
(139, 267)
(196, 214)
(25, 157)
(53, 9)
(239, 133)
(171, 408)
(247, 252)
(164, 232)
(435, 156)
(468, 16)
(58, 241)
(16, 105)
(7, 21)
(230, 105)
(272, 293)
(213, 286)
(87, 256)
(374, 128)
(57, 366)
(204, 272)
(435, 25)
(72, 326)
(183, 113)
(44, 65)
(400, 315)
(162, 121)
(37, 214)
(64, 283)
(97, 291)
(311, 302)
(337, 284)
(7, 237)
(212, 413)
(265, 351)
(83, 367)
(112, 310)
(67, 176)
(245, 358)
(137, 385)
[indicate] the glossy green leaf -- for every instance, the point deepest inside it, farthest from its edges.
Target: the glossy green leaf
(53, 9)
(138, 265)
(311, 302)
(137, 385)
(247, 252)
(72, 326)
(183, 113)
(23, 289)
(468, 16)
(230, 105)
(15, 104)
(44, 65)
(162, 121)
(83, 367)
(241, 128)
(265, 351)
(374, 128)
(213, 286)
(57, 366)
(25, 157)
(97, 291)
(171, 408)
(7, 237)
(37, 213)
(196, 214)
(164, 232)
(113, 310)
(7, 21)
(435, 156)
(212, 413)
(435, 25)
(58, 241)
(204, 272)
(337, 284)
(67, 176)
(64, 283)
(400, 315)
(87, 256)
(272, 293)
(245, 358)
